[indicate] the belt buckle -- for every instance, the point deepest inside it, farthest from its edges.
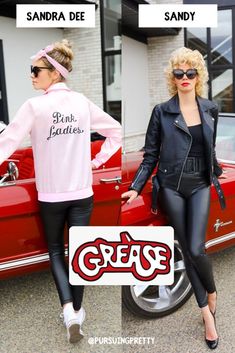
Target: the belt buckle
(191, 165)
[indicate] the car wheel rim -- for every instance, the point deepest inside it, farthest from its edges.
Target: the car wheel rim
(158, 299)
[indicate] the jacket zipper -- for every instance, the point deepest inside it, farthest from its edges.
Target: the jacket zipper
(137, 177)
(185, 157)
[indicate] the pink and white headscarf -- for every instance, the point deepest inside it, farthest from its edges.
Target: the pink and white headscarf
(43, 53)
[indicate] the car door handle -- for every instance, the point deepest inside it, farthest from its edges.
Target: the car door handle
(111, 180)
(7, 183)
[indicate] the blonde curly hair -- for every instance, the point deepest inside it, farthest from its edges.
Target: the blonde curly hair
(194, 59)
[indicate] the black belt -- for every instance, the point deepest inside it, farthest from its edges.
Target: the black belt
(197, 164)
(219, 191)
(194, 165)
(156, 186)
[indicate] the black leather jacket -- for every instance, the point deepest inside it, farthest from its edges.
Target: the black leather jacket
(168, 142)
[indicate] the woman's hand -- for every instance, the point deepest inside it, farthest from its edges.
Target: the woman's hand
(93, 166)
(131, 195)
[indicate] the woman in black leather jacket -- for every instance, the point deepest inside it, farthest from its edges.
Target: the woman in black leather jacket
(181, 140)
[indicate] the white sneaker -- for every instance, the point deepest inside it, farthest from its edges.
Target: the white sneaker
(73, 322)
(81, 314)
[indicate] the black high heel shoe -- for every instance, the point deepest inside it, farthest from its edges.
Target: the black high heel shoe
(212, 344)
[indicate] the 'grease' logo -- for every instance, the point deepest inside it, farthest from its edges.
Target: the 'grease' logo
(145, 260)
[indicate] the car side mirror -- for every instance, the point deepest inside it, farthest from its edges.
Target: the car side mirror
(13, 171)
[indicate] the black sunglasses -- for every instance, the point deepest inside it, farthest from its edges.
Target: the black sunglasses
(179, 74)
(36, 69)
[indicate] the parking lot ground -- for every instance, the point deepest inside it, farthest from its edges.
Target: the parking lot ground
(183, 331)
(30, 322)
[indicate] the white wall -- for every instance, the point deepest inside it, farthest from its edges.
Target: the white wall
(18, 45)
(135, 93)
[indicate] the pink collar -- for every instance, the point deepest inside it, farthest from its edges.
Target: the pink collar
(57, 86)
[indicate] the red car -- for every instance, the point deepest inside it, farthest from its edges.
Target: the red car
(157, 301)
(23, 247)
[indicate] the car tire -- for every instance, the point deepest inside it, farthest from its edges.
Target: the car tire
(157, 301)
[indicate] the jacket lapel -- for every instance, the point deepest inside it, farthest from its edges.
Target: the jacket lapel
(173, 107)
(180, 123)
(207, 122)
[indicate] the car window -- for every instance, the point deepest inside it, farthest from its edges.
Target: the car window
(225, 141)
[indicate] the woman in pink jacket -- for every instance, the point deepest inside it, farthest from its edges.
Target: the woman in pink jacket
(59, 122)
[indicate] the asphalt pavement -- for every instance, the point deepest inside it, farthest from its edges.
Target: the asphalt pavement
(183, 331)
(30, 322)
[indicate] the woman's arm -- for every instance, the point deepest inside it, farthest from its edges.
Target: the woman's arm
(16, 131)
(105, 125)
(152, 151)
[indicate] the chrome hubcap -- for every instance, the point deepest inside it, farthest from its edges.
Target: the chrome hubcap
(163, 298)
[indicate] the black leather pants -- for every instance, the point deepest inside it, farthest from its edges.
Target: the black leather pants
(54, 217)
(188, 211)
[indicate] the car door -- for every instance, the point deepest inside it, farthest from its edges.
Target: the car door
(221, 225)
(106, 187)
(22, 239)
(23, 246)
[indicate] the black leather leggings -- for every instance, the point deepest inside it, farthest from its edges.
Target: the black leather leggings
(188, 211)
(54, 217)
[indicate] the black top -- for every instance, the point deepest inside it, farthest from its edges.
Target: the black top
(197, 148)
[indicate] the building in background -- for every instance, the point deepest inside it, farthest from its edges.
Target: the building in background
(147, 51)
(111, 56)
(97, 69)
(96, 66)
(218, 48)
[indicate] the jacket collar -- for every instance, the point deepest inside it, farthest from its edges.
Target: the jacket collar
(172, 106)
(204, 109)
(57, 86)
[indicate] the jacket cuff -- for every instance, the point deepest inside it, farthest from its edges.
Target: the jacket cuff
(133, 188)
(96, 163)
(218, 170)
